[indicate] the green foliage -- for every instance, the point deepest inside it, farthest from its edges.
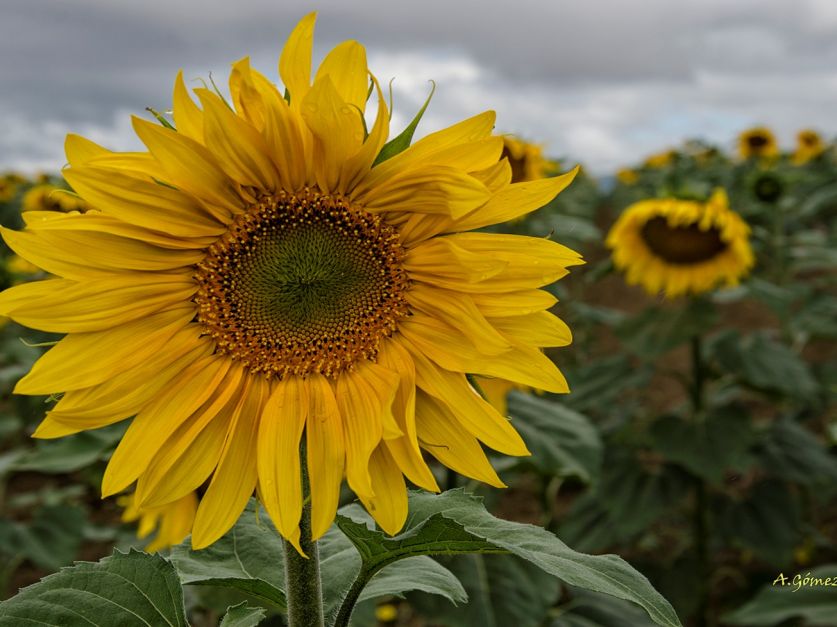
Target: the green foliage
(243, 615)
(657, 330)
(808, 595)
(119, 591)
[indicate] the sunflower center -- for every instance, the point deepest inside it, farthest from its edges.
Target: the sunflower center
(302, 283)
(757, 141)
(681, 244)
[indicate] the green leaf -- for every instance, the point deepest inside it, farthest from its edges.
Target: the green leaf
(563, 442)
(710, 447)
(591, 609)
(659, 329)
(248, 558)
(598, 385)
(793, 453)
(455, 522)
(503, 590)
(402, 142)
(243, 615)
(51, 540)
(71, 453)
(764, 364)
(776, 603)
(123, 590)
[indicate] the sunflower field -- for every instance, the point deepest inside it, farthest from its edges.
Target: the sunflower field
(291, 366)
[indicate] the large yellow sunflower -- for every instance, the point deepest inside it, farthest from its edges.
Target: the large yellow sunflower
(263, 276)
(681, 246)
(757, 142)
(809, 145)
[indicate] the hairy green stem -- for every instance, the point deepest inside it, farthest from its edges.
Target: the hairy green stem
(303, 587)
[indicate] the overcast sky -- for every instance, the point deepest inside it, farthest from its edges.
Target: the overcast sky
(601, 82)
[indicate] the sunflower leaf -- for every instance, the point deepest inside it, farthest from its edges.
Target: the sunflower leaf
(405, 137)
(456, 522)
(243, 615)
(248, 558)
(124, 589)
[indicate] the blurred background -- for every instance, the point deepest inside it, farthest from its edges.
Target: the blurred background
(699, 438)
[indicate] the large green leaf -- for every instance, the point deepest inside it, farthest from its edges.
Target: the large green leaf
(591, 609)
(243, 615)
(455, 522)
(563, 442)
(764, 364)
(791, 452)
(249, 558)
(502, 590)
(708, 448)
(812, 597)
(123, 590)
(660, 329)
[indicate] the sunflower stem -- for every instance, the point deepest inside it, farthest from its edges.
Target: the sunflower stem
(700, 522)
(303, 587)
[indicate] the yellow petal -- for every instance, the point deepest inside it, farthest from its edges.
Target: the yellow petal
(84, 359)
(188, 118)
(389, 505)
(405, 449)
(80, 149)
(156, 422)
(289, 142)
(447, 441)
(189, 165)
(515, 201)
(326, 453)
(364, 396)
(358, 165)
(471, 411)
(513, 303)
(295, 62)
(459, 311)
(235, 477)
(277, 457)
(142, 202)
(346, 66)
(239, 148)
(440, 261)
(536, 329)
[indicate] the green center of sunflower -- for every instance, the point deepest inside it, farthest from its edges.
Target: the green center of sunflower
(681, 244)
(301, 284)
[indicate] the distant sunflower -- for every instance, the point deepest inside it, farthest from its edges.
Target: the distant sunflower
(681, 246)
(627, 176)
(8, 189)
(527, 160)
(660, 160)
(48, 197)
(172, 521)
(757, 142)
(809, 145)
(266, 272)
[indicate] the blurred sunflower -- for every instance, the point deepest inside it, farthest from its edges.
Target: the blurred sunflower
(48, 197)
(172, 521)
(8, 189)
(757, 142)
(681, 246)
(809, 145)
(526, 160)
(266, 273)
(627, 176)
(660, 160)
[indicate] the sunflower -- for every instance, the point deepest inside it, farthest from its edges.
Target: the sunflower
(8, 189)
(268, 276)
(48, 197)
(172, 521)
(809, 145)
(526, 160)
(757, 142)
(660, 160)
(627, 176)
(681, 246)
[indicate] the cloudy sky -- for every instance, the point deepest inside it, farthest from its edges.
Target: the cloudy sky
(602, 82)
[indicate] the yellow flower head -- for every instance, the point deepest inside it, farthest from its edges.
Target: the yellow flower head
(627, 176)
(809, 145)
(681, 246)
(757, 142)
(265, 274)
(527, 160)
(47, 197)
(8, 188)
(172, 521)
(661, 159)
